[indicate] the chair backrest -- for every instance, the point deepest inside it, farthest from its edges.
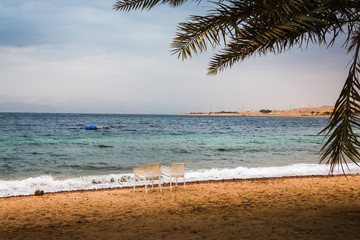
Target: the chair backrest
(152, 170)
(178, 168)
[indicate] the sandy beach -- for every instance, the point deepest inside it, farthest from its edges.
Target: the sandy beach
(323, 111)
(280, 208)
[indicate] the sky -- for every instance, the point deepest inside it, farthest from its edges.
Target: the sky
(83, 56)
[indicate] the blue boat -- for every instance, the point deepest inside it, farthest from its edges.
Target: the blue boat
(95, 127)
(91, 127)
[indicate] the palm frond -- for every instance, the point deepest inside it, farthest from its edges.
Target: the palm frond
(342, 144)
(195, 35)
(258, 38)
(129, 5)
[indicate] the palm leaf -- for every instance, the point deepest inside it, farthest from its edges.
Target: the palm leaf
(128, 5)
(342, 144)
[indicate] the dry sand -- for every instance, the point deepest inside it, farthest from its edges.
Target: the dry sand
(281, 208)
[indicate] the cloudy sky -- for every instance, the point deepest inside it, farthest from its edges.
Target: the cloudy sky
(82, 56)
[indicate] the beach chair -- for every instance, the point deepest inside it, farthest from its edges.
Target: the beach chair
(176, 170)
(149, 172)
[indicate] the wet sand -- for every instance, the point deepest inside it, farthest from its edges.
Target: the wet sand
(280, 208)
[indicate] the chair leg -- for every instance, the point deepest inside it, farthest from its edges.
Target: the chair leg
(176, 181)
(134, 182)
(170, 184)
(152, 183)
(145, 186)
(160, 185)
(184, 183)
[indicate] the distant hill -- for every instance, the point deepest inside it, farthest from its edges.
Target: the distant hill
(24, 107)
(323, 111)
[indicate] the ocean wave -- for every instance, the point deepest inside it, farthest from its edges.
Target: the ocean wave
(231, 149)
(180, 151)
(265, 172)
(49, 184)
(104, 146)
(92, 166)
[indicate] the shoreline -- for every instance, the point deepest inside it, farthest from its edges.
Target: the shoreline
(305, 207)
(49, 184)
(248, 115)
(324, 111)
(180, 183)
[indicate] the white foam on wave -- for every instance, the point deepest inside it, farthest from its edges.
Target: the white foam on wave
(266, 172)
(49, 184)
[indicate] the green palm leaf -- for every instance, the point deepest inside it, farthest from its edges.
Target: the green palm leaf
(342, 144)
(128, 5)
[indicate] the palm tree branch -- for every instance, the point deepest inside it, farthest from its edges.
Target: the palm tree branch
(195, 34)
(342, 144)
(129, 5)
(256, 37)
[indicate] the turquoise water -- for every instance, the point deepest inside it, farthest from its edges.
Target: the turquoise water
(58, 145)
(38, 149)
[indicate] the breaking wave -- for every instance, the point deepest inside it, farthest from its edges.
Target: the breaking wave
(49, 184)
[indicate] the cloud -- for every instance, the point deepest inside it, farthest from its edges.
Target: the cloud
(69, 54)
(89, 23)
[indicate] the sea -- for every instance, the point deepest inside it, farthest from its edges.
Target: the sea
(55, 152)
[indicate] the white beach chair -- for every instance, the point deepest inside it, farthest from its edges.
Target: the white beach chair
(150, 171)
(176, 170)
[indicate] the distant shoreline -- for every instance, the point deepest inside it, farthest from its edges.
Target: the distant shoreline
(324, 111)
